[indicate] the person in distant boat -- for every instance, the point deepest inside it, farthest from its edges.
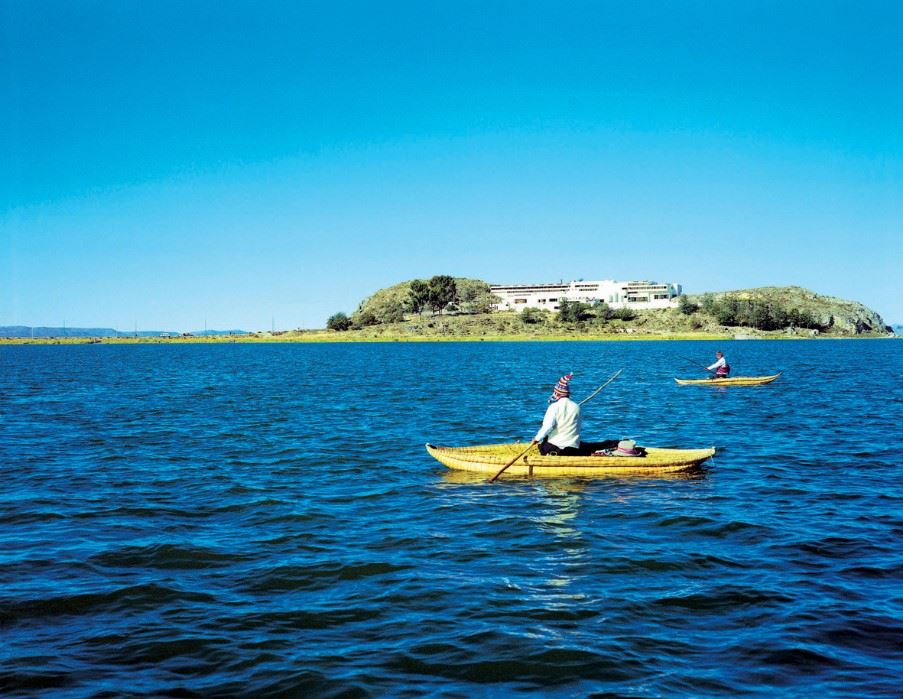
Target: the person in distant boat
(721, 368)
(560, 431)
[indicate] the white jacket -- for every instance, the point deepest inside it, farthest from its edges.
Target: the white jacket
(561, 424)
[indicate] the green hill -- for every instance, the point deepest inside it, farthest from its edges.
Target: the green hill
(392, 304)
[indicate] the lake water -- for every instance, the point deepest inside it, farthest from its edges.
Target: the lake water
(190, 520)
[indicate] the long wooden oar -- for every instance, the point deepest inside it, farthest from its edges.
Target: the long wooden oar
(596, 392)
(697, 364)
(504, 468)
(591, 395)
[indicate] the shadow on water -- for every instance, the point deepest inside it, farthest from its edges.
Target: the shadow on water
(577, 484)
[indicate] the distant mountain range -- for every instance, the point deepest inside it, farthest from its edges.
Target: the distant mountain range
(44, 332)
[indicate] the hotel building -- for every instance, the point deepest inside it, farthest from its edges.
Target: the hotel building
(639, 295)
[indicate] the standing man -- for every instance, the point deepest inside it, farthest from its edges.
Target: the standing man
(721, 368)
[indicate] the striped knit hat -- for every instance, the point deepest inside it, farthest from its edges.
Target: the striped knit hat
(562, 389)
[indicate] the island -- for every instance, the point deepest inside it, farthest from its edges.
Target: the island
(446, 308)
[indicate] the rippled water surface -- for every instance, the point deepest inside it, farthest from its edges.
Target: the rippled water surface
(263, 520)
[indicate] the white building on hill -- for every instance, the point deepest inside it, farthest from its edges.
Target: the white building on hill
(638, 295)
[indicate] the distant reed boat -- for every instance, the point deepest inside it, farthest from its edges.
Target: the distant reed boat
(730, 381)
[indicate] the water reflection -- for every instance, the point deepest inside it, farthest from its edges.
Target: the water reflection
(556, 522)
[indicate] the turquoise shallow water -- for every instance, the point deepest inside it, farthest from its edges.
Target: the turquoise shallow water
(263, 520)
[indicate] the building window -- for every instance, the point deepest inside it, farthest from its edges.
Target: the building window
(520, 300)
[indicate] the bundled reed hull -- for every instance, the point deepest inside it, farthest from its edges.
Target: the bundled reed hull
(732, 381)
(489, 458)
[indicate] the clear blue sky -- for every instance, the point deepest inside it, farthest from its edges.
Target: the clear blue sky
(163, 163)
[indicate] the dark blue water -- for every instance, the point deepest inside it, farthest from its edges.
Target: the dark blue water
(263, 520)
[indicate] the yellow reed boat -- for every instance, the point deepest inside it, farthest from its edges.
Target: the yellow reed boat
(489, 458)
(730, 381)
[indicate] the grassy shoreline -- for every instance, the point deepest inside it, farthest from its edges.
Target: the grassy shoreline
(328, 337)
(344, 338)
(488, 327)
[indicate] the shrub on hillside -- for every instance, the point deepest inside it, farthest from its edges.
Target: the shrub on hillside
(686, 306)
(531, 316)
(390, 313)
(363, 319)
(624, 314)
(573, 311)
(602, 311)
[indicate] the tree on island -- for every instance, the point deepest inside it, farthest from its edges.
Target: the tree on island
(475, 296)
(442, 292)
(418, 296)
(338, 322)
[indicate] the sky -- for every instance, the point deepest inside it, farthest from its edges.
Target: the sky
(248, 165)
